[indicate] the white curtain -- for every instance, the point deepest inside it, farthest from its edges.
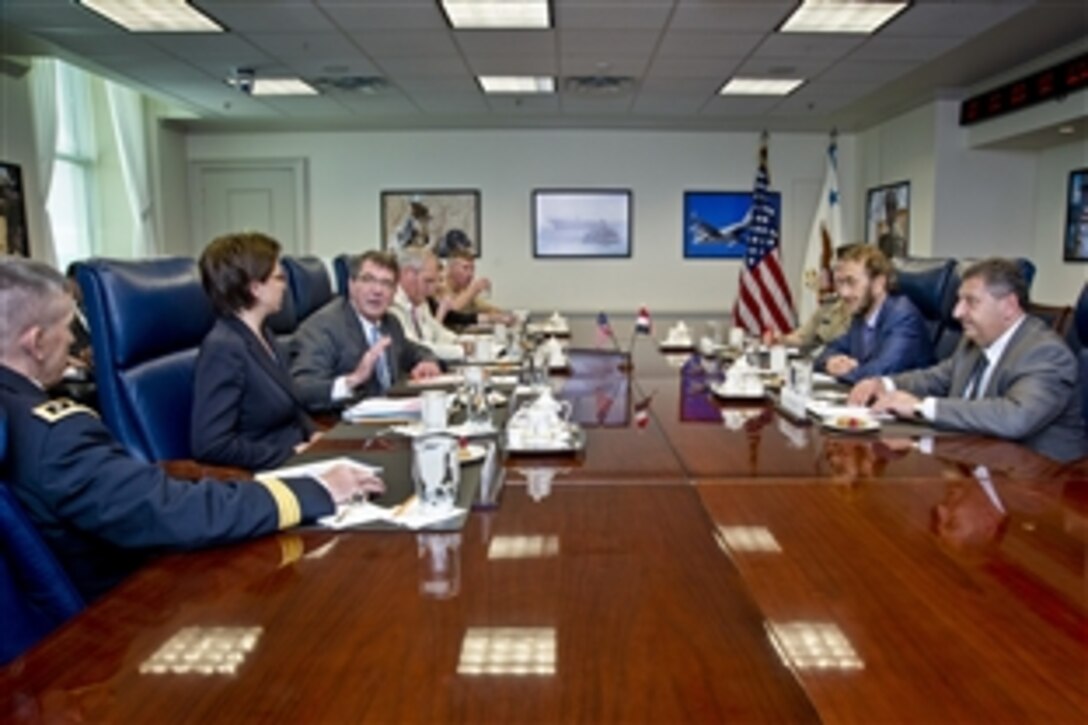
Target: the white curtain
(43, 102)
(127, 116)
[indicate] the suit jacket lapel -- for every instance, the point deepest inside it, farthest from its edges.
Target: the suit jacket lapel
(271, 365)
(1012, 351)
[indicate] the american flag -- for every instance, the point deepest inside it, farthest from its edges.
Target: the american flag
(763, 300)
(604, 331)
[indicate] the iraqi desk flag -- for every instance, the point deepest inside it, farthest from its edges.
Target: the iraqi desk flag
(824, 237)
(643, 324)
(763, 301)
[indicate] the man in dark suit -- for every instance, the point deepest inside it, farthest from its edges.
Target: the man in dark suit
(1010, 377)
(353, 348)
(100, 510)
(887, 333)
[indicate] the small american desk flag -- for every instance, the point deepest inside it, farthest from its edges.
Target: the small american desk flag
(763, 298)
(604, 331)
(643, 324)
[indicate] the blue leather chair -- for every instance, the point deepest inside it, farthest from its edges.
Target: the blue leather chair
(308, 288)
(1080, 324)
(342, 266)
(36, 595)
(147, 321)
(927, 282)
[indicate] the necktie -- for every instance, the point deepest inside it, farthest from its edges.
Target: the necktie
(381, 366)
(973, 388)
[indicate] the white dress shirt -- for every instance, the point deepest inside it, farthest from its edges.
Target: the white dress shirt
(421, 327)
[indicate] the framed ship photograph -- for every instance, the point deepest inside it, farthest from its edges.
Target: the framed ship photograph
(13, 225)
(581, 223)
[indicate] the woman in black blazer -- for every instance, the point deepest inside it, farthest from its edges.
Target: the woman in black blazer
(245, 411)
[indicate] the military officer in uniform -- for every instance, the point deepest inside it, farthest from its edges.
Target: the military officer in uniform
(100, 510)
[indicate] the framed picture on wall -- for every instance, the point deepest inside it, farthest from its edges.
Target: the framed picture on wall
(887, 218)
(1076, 217)
(13, 227)
(442, 220)
(581, 222)
(716, 223)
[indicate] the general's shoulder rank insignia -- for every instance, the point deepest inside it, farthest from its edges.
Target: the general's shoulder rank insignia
(59, 409)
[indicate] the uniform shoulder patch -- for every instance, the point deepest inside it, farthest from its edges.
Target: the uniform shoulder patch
(59, 409)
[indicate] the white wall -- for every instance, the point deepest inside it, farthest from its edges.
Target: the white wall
(348, 171)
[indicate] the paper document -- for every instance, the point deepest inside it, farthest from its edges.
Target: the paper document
(826, 410)
(313, 469)
(437, 381)
(384, 408)
(410, 514)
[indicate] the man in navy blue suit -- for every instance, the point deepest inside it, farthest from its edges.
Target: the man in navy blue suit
(887, 333)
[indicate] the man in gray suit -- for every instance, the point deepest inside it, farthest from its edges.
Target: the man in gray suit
(1010, 377)
(353, 348)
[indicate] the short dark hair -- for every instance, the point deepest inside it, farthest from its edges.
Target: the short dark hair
(231, 263)
(870, 257)
(386, 260)
(1001, 277)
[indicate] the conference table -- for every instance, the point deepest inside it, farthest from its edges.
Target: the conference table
(706, 561)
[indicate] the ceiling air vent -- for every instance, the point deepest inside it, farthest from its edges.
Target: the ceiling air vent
(600, 86)
(369, 85)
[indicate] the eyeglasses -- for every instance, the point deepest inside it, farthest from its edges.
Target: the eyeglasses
(386, 282)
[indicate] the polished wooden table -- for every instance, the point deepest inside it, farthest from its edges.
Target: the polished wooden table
(718, 564)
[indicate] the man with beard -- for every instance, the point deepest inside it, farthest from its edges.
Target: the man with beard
(887, 333)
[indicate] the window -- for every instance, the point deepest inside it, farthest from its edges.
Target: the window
(72, 190)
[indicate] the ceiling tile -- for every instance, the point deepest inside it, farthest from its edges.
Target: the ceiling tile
(435, 67)
(490, 42)
(699, 86)
(513, 65)
(889, 47)
(958, 20)
(385, 14)
(734, 17)
(876, 71)
(607, 42)
(356, 65)
(451, 103)
(669, 104)
(525, 105)
(612, 14)
(407, 43)
(707, 44)
(302, 46)
(809, 45)
(289, 16)
(582, 106)
(593, 65)
(762, 66)
(740, 106)
(691, 68)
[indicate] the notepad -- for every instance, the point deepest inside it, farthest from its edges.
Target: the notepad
(384, 409)
(315, 469)
(411, 515)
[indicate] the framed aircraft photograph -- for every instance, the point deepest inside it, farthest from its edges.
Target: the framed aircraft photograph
(716, 223)
(437, 219)
(1076, 217)
(13, 227)
(581, 222)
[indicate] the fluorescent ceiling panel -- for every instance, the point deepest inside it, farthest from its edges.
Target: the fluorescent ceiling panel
(831, 16)
(282, 87)
(154, 16)
(495, 14)
(760, 86)
(517, 84)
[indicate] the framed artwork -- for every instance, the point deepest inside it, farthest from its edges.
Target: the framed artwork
(716, 223)
(581, 222)
(442, 220)
(13, 227)
(1076, 217)
(887, 218)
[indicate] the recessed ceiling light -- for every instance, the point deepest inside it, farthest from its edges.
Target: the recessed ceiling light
(836, 16)
(517, 84)
(760, 86)
(1067, 130)
(498, 14)
(154, 16)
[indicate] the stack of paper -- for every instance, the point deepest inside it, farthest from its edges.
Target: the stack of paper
(315, 469)
(438, 381)
(384, 409)
(411, 515)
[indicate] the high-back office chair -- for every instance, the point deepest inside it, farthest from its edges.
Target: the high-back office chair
(310, 284)
(342, 267)
(927, 282)
(308, 288)
(147, 321)
(36, 595)
(1080, 323)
